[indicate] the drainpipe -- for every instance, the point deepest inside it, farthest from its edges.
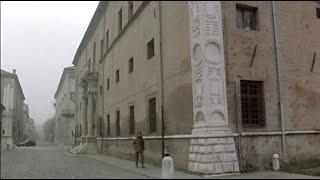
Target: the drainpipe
(161, 72)
(279, 80)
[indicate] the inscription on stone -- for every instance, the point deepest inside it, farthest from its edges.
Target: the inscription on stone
(215, 98)
(211, 26)
(214, 73)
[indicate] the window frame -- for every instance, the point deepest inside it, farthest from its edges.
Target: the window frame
(150, 54)
(120, 19)
(117, 76)
(108, 84)
(248, 107)
(131, 120)
(101, 49)
(107, 39)
(118, 128)
(152, 124)
(131, 65)
(244, 9)
(94, 51)
(108, 125)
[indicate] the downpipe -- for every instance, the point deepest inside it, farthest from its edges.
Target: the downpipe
(279, 81)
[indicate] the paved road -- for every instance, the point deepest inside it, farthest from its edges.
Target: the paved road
(48, 161)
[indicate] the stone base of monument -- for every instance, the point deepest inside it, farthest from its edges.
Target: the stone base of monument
(213, 155)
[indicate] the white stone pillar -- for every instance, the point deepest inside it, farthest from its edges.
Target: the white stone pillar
(209, 155)
(84, 116)
(89, 113)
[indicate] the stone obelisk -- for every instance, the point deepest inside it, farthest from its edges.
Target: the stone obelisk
(214, 155)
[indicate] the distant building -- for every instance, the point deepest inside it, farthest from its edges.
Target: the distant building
(12, 118)
(30, 130)
(65, 108)
(234, 82)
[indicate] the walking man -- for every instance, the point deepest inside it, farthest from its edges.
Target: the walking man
(138, 144)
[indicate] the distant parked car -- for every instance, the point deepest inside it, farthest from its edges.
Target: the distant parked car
(21, 143)
(30, 143)
(26, 143)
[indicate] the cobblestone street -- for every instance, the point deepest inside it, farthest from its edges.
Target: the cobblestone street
(48, 161)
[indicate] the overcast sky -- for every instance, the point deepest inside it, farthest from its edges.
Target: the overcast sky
(39, 39)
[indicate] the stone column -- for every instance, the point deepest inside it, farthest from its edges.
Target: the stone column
(89, 113)
(84, 116)
(209, 155)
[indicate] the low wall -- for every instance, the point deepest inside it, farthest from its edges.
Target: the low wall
(256, 149)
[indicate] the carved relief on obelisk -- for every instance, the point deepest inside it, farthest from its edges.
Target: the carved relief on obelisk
(207, 155)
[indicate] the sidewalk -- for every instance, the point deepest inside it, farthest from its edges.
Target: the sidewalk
(154, 172)
(149, 170)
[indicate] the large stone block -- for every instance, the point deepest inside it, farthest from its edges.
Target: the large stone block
(230, 148)
(212, 141)
(227, 167)
(218, 148)
(234, 157)
(218, 168)
(236, 166)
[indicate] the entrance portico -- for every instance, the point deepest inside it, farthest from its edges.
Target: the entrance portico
(89, 91)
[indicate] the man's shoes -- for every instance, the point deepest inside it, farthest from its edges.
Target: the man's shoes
(142, 166)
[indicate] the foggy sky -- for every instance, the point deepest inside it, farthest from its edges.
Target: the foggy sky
(39, 39)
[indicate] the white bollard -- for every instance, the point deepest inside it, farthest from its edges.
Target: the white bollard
(167, 167)
(275, 162)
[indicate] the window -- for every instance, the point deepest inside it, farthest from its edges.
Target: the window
(150, 49)
(101, 49)
(130, 10)
(318, 12)
(131, 120)
(131, 65)
(120, 21)
(108, 124)
(117, 76)
(152, 115)
(101, 127)
(107, 39)
(246, 17)
(3, 131)
(252, 103)
(118, 123)
(108, 84)
(100, 90)
(94, 51)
